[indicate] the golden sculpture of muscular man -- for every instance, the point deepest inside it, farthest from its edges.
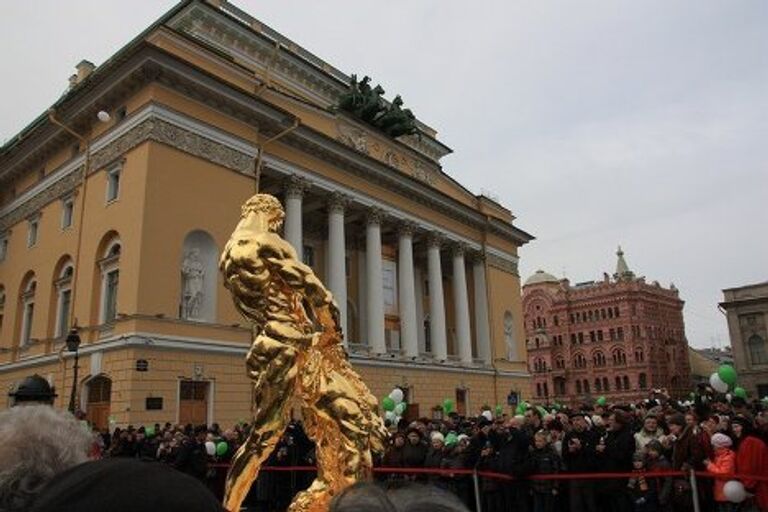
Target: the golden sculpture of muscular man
(296, 354)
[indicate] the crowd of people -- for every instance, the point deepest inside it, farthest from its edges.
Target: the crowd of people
(581, 446)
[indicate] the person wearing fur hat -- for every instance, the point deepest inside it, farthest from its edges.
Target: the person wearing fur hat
(686, 455)
(415, 449)
(579, 457)
(751, 459)
(724, 464)
(434, 457)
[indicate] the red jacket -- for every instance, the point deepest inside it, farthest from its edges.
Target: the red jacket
(724, 464)
(752, 459)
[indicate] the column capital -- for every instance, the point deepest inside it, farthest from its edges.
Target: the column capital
(476, 256)
(295, 186)
(459, 249)
(406, 228)
(374, 216)
(338, 202)
(435, 239)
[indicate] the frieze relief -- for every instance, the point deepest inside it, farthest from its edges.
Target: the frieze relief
(152, 129)
(500, 263)
(359, 140)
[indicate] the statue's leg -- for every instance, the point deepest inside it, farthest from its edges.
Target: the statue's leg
(272, 365)
(343, 454)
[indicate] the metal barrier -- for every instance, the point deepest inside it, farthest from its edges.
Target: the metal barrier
(477, 474)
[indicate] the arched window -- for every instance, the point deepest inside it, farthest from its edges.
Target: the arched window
(617, 380)
(598, 359)
(625, 380)
(586, 386)
(560, 363)
(578, 386)
(63, 292)
(110, 281)
(559, 386)
(606, 388)
(579, 361)
(757, 351)
(538, 389)
(642, 381)
(619, 357)
(28, 289)
(199, 274)
(598, 385)
(639, 355)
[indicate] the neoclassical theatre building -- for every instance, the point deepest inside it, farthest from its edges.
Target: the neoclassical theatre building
(116, 202)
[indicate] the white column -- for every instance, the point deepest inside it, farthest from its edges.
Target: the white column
(294, 193)
(419, 288)
(375, 284)
(482, 328)
(337, 271)
(436, 300)
(461, 306)
(407, 292)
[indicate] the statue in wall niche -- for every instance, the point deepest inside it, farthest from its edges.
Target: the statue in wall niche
(296, 357)
(192, 275)
(509, 337)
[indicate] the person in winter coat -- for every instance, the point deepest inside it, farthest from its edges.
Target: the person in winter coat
(649, 432)
(656, 463)
(614, 454)
(544, 461)
(642, 488)
(724, 464)
(686, 455)
(751, 459)
(434, 457)
(513, 460)
(579, 457)
(415, 450)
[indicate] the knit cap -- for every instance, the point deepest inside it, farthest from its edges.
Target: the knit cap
(721, 441)
(437, 435)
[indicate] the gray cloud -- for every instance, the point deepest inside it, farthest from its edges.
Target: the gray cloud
(597, 123)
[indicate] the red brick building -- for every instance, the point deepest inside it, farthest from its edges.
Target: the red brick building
(617, 338)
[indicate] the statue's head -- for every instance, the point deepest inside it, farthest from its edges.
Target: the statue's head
(378, 90)
(398, 100)
(267, 205)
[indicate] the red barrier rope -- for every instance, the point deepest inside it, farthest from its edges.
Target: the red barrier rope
(502, 476)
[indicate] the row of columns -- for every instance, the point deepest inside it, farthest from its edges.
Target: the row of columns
(374, 295)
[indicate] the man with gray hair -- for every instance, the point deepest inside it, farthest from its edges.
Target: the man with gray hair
(37, 442)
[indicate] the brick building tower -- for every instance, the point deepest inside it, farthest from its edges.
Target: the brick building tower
(617, 338)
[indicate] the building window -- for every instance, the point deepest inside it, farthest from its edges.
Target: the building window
(538, 389)
(642, 381)
(113, 183)
(639, 355)
(28, 311)
(586, 386)
(560, 363)
(598, 359)
(619, 357)
(600, 335)
(598, 385)
(592, 336)
(554, 319)
(110, 281)
(33, 226)
(573, 339)
(579, 361)
(581, 338)
(606, 388)
(578, 386)
(625, 379)
(618, 383)
(63, 300)
(67, 210)
(620, 333)
(612, 334)
(616, 311)
(610, 312)
(757, 352)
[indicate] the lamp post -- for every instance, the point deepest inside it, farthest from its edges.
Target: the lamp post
(73, 345)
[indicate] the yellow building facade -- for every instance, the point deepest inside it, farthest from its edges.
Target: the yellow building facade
(115, 223)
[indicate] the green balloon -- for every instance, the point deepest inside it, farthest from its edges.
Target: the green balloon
(150, 431)
(387, 404)
(400, 408)
(727, 374)
(451, 439)
(521, 408)
(602, 401)
(740, 392)
(222, 448)
(448, 406)
(499, 410)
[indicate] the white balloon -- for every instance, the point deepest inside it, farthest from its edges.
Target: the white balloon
(728, 397)
(487, 415)
(734, 491)
(717, 384)
(210, 448)
(397, 395)
(390, 415)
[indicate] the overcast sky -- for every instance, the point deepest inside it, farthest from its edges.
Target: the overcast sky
(643, 124)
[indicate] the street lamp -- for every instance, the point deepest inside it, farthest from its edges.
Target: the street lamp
(73, 344)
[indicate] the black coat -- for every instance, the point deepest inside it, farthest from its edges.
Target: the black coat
(619, 448)
(582, 460)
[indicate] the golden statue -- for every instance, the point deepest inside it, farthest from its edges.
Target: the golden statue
(296, 354)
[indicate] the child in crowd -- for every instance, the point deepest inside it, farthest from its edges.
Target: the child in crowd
(724, 464)
(545, 460)
(656, 462)
(643, 494)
